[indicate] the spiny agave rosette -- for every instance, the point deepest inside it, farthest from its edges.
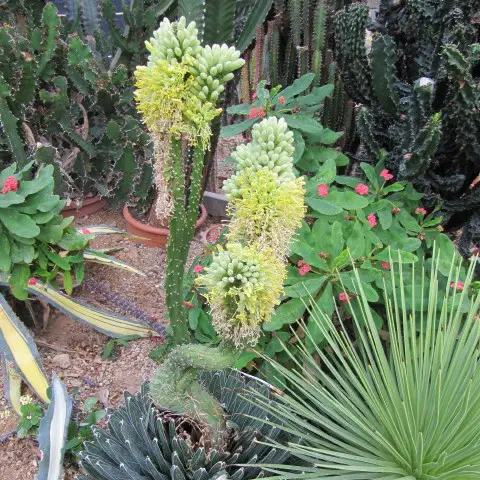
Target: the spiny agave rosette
(143, 442)
(243, 286)
(177, 90)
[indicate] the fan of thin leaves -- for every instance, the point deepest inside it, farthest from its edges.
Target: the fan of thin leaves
(402, 408)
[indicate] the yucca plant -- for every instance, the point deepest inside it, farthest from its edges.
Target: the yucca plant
(402, 407)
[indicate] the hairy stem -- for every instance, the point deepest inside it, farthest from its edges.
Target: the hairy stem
(175, 386)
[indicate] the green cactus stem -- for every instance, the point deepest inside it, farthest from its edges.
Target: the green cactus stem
(175, 384)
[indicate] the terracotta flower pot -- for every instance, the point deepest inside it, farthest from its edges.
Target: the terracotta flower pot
(88, 206)
(212, 233)
(154, 237)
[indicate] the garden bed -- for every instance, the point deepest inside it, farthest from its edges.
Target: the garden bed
(69, 344)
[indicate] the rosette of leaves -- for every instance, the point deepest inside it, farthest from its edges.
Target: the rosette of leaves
(143, 441)
(398, 407)
(299, 108)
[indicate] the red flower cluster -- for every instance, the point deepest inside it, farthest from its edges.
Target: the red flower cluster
(32, 281)
(198, 268)
(395, 210)
(322, 190)
(304, 268)
(10, 184)
(257, 112)
(86, 231)
(386, 175)
(282, 100)
(188, 305)
(419, 211)
(386, 265)
(343, 297)
(361, 189)
(459, 286)
(372, 220)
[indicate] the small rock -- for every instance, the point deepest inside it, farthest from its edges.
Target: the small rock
(62, 360)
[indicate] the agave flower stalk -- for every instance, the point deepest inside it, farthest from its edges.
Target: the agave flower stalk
(176, 92)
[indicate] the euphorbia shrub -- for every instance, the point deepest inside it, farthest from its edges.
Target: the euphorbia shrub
(35, 240)
(374, 221)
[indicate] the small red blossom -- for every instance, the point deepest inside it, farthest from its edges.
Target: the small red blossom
(32, 281)
(459, 286)
(347, 217)
(395, 210)
(254, 95)
(261, 112)
(252, 113)
(10, 184)
(323, 255)
(158, 340)
(386, 265)
(188, 305)
(304, 269)
(282, 100)
(407, 156)
(372, 219)
(386, 175)
(248, 139)
(322, 190)
(300, 263)
(86, 231)
(361, 189)
(343, 297)
(198, 268)
(420, 210)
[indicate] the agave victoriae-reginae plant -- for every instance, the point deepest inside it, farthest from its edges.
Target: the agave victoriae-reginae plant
(144, 442)
(404, 407)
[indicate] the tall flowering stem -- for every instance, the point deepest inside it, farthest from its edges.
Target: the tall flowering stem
(177, 93)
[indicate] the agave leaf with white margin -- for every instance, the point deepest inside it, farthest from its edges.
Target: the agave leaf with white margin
(105, 230)
(53, 432)
(12, 384)
(110, 324)
(95, 256)
(18, 347)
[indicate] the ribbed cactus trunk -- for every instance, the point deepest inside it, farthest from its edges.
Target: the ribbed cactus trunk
(186, 189)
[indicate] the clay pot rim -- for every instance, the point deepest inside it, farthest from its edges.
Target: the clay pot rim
(210, 229)
(85, 202)
(155, 230)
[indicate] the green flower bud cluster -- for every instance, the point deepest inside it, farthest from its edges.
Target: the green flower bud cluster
(227, 271)
(243, 286)
(213, 68)
(174, 42)
(271, 149)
